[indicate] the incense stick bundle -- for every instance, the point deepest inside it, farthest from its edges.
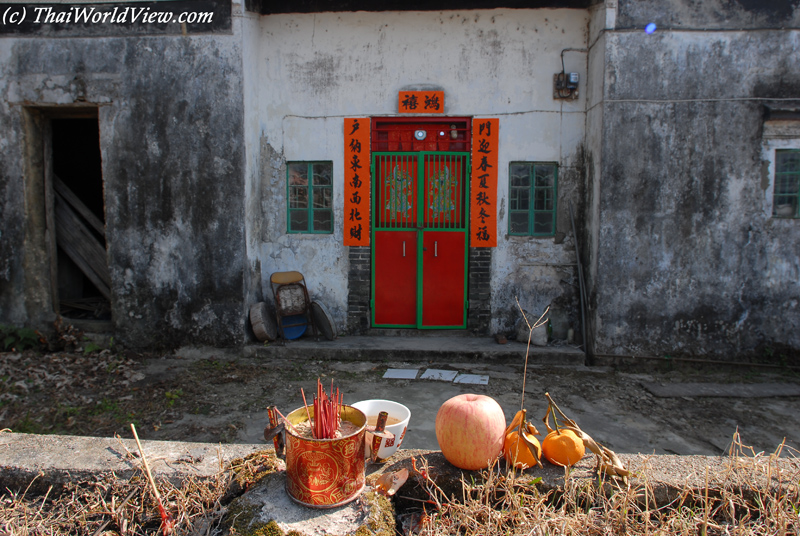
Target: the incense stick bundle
(326, 412)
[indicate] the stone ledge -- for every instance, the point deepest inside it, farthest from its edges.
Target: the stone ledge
(40, 461)
(666, 476)
(55, 460)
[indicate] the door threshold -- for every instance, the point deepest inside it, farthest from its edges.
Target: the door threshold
(407, 332)
(90, 326)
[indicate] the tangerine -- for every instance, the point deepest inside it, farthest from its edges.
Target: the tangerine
(517, 452)
(563, 447)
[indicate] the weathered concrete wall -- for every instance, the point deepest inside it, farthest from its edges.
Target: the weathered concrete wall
(171, 121)
(588, 213)
(195, 132)
(255, 201)
(689, 258)
(318, 69)
(708, 14)
(663, 155)
(13, 228)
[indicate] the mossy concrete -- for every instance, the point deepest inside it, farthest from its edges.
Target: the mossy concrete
(667, 476)
(267, 510)
(44, 461)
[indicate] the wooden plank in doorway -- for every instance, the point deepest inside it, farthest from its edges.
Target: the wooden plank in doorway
(76, 240)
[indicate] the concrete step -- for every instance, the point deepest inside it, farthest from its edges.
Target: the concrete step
(425, 348)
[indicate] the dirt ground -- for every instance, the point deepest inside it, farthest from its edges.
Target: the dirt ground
(214, 395)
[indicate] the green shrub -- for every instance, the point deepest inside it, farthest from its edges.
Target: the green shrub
(18, 339)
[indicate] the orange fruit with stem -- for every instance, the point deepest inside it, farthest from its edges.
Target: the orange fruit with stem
(563, 447)
(518, 453)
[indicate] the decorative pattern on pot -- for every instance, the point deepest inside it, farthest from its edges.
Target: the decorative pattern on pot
(325, 473)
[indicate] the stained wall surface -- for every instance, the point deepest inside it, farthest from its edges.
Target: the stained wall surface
(316, 69)
(170, 111)
(666, 156)
(196, 130)
(689, 257)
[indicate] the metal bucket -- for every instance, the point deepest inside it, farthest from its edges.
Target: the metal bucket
(325, 473)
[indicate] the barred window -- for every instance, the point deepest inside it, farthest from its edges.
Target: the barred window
(532, 198)
(310, 197)
(787, 184)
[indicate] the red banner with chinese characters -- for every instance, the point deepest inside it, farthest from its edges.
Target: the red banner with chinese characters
(356, 181)
(483, 185)
(420, 102)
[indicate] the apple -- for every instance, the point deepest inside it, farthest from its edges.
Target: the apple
(470, 430)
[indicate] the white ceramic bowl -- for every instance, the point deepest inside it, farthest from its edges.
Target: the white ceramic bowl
(398, 411)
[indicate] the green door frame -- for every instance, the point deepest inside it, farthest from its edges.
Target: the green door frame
(420, 229)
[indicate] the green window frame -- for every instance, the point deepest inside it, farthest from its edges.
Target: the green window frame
(786, 191)
(309, 197)
(532, 194)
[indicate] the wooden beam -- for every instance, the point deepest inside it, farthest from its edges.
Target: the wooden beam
(64, 191)
(78, 242)
(50, 226)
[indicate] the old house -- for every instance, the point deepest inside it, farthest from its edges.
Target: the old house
(421, 163)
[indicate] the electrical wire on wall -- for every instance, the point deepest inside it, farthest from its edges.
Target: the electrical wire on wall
(565, 85)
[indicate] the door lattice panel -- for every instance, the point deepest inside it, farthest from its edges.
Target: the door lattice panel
(437, 179)
(445, 196)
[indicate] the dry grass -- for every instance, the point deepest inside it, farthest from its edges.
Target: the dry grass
(755, 497)
(110, 505)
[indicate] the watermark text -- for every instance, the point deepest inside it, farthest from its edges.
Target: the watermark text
(85, 14)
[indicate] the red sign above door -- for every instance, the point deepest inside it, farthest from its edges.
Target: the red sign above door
(420, 102)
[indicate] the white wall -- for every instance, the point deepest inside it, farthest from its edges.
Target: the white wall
(316, 69)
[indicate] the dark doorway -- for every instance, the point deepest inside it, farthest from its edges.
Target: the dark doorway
(78, 216)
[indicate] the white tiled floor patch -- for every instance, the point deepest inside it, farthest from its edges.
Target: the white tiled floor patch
(478, 379)
(401, 374)
(441, 375)
(436, 375)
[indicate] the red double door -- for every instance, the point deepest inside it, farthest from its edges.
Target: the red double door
(419, 252)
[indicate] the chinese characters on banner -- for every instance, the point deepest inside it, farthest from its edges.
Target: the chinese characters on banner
(420, 102)
(483, 187)
(356, 182)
